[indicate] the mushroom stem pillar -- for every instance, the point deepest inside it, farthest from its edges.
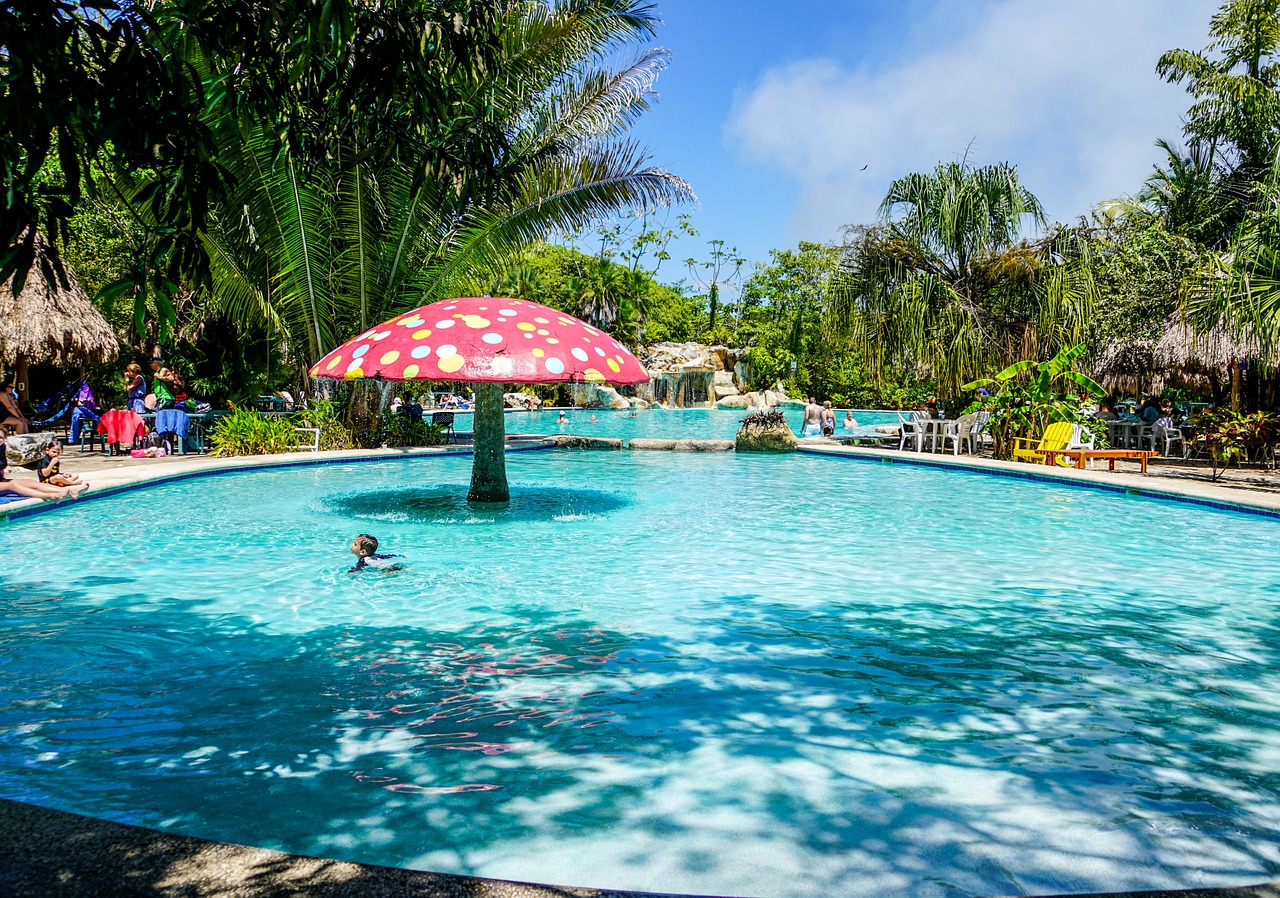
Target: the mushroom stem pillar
(489, 467)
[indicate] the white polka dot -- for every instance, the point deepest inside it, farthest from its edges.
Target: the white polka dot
(353, 366)
(578, 354)
(528, 336)
(361, 351)
(599, 351)
(448, 322)
(446, 350)
(382, 336)
(506, 311)
(421, 352)
(500, 318)
(492, 338)
(449, 308)
(555, 366)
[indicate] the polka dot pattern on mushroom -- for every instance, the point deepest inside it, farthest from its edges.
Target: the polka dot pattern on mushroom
(483, 339)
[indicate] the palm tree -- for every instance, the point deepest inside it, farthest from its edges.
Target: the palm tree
(321, 250)
(1186, 196)
(599, 291)
(1235, 83)
(948, 288)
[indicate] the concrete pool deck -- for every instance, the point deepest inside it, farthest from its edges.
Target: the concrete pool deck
(51, 854)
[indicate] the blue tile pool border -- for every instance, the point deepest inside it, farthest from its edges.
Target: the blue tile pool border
(1156, 493)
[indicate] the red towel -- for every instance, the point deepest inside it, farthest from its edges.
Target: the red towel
(122, 426)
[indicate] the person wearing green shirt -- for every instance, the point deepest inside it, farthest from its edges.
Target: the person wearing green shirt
(162, 382)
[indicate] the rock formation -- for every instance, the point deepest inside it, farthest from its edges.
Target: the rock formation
(766, 432)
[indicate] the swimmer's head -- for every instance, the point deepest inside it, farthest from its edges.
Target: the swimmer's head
(364, 545)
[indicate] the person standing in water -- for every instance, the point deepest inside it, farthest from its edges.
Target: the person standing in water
(812, 424)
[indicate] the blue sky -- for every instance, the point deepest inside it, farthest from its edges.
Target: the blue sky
(770, 110)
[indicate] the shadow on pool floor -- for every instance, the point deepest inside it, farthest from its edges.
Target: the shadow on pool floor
(51, 854)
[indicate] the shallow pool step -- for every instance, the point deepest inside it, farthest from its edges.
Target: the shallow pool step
(651, 445)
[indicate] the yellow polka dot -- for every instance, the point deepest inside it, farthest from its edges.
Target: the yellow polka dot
(543, 333)
(459, 315)
(541, 321)
(410, 371)
(537, 353)
(422, 334)
(333, 363)
(592, 375)
(552, 340)
(451, 364)
(475, 321)
(526, 326)
(354, 375)
(389, 357)
(614, 366)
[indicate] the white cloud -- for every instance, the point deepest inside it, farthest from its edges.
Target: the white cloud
(1065, 90)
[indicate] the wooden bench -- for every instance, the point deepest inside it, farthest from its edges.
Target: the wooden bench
(1081, 456)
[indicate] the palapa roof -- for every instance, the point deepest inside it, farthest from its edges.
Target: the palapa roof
(52, 322)
(1127, 366)
(1183, 347)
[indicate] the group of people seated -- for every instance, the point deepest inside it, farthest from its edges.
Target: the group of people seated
(1152, 411)
(412, 407)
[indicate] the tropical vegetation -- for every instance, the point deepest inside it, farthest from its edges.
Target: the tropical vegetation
(302, 171)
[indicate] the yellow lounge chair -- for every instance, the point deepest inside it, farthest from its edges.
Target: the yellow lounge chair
(1059, 435)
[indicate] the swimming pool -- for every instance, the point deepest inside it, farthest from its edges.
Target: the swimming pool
(689, 673)
(659, 423)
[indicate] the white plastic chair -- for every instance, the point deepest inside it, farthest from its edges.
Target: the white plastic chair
(1164, 435)
(966, 433)
(911, 429)
(311, 444)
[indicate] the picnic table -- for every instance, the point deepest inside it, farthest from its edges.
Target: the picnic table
(1080, 456)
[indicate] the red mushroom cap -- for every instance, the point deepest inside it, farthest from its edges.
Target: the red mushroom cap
(478, 339)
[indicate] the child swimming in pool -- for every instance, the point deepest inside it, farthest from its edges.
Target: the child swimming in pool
(365, 548)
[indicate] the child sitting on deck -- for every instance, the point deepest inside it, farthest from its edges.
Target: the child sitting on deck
(49, 470)
(25, 488)
(365, 548)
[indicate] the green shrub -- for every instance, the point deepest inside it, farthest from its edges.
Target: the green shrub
(1232, 437)
(395, 431)
(324, 417)
(246, 432)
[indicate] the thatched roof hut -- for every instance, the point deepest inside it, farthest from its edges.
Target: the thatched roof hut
(1127, 368)
(1186, 349)
(52, 322)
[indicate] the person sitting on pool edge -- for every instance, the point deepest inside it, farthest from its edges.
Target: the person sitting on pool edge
(35, 490)
(365, 548)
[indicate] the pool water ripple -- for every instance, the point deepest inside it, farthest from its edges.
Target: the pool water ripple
(750, 676)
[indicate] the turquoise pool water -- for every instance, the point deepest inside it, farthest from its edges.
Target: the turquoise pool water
(711, 674)
(659, 423)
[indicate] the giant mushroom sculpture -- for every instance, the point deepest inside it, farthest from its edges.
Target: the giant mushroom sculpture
(486, 342)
